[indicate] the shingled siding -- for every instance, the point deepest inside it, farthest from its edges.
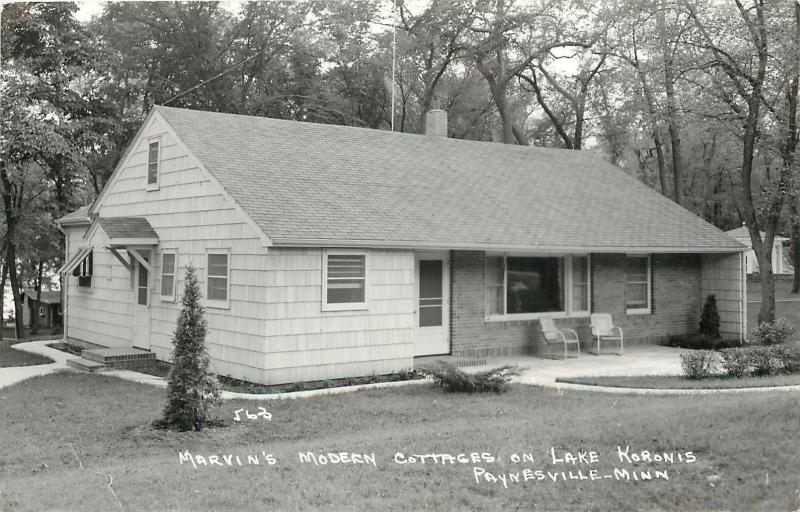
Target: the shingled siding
(676, 294)
(305, 343)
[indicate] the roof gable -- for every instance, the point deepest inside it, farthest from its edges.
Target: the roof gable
(314, 184)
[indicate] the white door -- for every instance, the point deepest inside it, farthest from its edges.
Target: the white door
(433, 304)
(141, 307)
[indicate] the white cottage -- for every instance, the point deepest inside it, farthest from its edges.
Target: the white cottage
(329, 251)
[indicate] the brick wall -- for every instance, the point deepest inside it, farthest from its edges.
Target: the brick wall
(676, 301)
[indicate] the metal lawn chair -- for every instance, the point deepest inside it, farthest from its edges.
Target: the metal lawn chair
(564, 337)
(603, 329)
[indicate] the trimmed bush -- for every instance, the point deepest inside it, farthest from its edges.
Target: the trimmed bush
(788, 356)
(453, 379)
(699, 364)
(735, 361)
(709, 319)
(773, 333)
(763, 361)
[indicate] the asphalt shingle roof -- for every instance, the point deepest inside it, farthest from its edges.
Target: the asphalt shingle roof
(81, 213)
(48, 296)
(127, 227)
(305, 181)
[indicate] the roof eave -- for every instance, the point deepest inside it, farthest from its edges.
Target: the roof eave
(537, 248)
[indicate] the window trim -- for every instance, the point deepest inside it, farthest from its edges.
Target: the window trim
(568, 312)
(344, 306)
(649, 309)
(219, 304)
(156, 184)
(171, 297)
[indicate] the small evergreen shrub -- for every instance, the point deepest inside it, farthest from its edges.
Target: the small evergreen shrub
(735, 361)
(709, 319)
(453, 379)
(192, 388)
(773, 333)
(699, 364)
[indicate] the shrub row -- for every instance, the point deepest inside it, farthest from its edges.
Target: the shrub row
(742, 361)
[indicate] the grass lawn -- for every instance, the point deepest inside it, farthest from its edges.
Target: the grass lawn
(12, 357)
(44, 333)
(675, 382)
(747, 450)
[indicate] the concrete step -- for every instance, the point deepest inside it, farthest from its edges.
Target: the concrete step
(126, 357)
(85, 365)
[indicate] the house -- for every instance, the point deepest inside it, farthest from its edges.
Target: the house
(328, 251)
(47, 309)
(780, 261)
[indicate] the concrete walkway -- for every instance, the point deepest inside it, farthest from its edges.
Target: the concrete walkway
(9, 376)
(637, 361)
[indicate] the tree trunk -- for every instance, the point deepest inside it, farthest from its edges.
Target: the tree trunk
(4, 272)
(767, 312)
(795, 247)
(35, 311)
(672, 115)
(11, 251)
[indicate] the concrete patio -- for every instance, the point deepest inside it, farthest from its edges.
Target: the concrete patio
(637, 360)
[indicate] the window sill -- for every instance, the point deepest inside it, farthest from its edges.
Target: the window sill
(167, 299)
(640, 311)
(218, 304)
(535, 316)
(349, 306)
(151, 186)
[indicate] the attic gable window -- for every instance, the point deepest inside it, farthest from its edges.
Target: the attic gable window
(153, 160)
(344, 280)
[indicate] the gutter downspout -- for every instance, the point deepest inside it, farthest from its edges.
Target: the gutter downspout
(743, 298)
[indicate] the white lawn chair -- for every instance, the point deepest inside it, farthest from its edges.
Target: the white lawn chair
(562, 337)
(603, 328)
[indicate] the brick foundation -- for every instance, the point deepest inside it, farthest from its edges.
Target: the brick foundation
(676, 306)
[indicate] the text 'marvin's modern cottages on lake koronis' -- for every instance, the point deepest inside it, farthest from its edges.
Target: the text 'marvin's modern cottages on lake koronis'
(328, 251)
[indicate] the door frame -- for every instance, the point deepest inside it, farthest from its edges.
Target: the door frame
(444, 256)
(137, 308)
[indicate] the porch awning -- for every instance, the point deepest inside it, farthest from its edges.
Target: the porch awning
(127, 231)
(75, 260)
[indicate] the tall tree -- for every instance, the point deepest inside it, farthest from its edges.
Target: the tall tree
(749, 73)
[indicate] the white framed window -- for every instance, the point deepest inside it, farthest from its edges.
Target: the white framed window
(344, 280)
(41, 311)
(218, 278)
(153, 162)
(529, 287)
(637, 284)
(169, 271)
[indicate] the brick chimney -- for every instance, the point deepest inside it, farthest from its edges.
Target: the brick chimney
(436, 123)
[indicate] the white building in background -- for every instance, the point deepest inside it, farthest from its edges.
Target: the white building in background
(780, 262)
